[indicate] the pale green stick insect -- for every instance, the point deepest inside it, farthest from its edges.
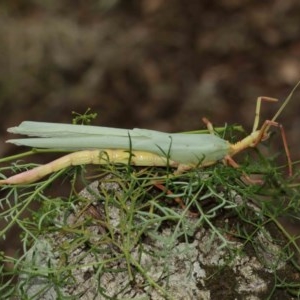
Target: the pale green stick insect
(139, 147)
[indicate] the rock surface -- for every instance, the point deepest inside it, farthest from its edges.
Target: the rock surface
(162, 263)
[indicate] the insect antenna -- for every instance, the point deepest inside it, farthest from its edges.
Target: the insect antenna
(282, 107)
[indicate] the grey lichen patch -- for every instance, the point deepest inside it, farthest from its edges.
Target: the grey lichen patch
(268, 251)
(39, 262)
(96, 254)
(207, 246)
(248, 279)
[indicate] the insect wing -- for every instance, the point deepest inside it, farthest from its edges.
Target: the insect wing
(183, 148)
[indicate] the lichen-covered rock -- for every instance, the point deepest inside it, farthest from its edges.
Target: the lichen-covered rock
(95, 262)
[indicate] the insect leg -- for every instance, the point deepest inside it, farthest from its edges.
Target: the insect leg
(209, 125)
(257, 110)
(177, 199)
(230, 161)
(263, 135)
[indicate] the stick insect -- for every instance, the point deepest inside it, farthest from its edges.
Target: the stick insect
(139, 147)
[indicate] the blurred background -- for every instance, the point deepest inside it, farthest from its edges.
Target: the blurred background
(153, 64)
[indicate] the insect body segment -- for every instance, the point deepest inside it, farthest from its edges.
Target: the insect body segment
(181, 151)
(183, 148)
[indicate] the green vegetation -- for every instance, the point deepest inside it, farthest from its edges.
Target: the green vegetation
(121, 227)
